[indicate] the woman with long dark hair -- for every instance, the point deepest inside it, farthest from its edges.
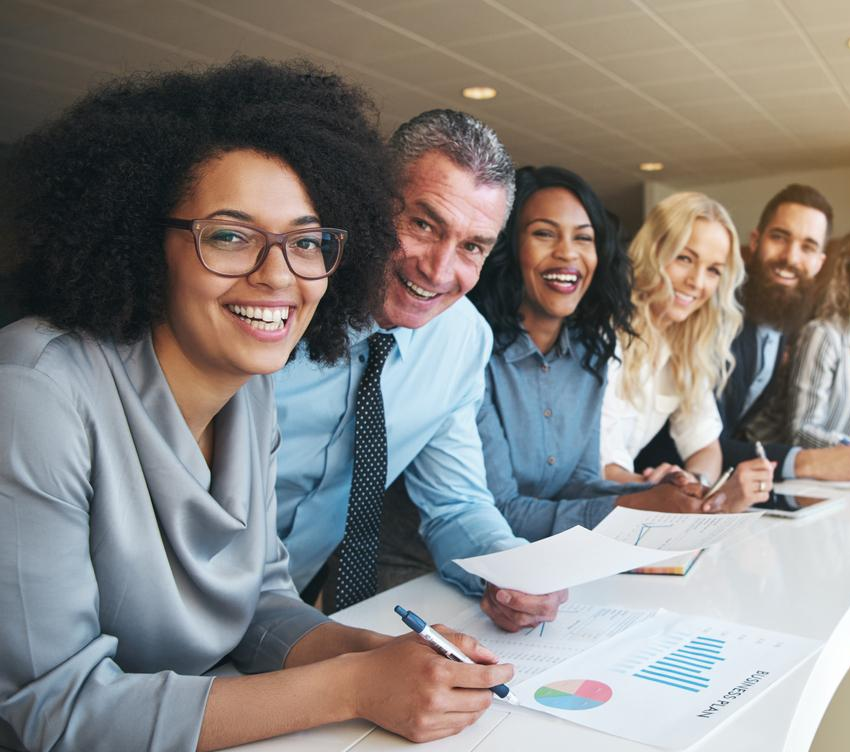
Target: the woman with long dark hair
(557, 292)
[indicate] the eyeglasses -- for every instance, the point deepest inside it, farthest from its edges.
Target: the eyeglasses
(236, 249)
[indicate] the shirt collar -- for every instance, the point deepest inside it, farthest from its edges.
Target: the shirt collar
(403, 337)
(523, 346)
(767, 332)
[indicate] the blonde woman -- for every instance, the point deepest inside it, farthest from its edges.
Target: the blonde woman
(819, 384)
(687, 267)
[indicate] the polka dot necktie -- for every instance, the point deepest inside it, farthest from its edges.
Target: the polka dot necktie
(359, 548)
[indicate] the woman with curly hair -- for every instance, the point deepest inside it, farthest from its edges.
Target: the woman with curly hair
(687, 267)
(819, 382)
(177, 236)
(556, 291)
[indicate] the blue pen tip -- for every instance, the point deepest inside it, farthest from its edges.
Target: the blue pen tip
(400, 611)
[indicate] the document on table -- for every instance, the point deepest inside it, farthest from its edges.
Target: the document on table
(626, 539)
(667, 681)
(578, 627)
(667, 531)
(570, 558)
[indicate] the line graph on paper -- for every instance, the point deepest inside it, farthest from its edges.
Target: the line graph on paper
(646, 527)
(671, 532)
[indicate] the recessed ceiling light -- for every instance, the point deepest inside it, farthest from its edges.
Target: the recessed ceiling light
(651, 166)
(479, 92)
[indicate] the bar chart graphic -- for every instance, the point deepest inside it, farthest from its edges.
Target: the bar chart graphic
(687, 667)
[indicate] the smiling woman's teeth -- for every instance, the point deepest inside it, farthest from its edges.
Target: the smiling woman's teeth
(567, 279)
(418, 291)
(264, 319)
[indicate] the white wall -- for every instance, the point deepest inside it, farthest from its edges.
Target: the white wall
(744, 199)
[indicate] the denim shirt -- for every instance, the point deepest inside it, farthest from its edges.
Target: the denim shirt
(539, 427)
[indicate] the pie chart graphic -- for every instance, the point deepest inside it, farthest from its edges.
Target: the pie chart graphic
(574, 694)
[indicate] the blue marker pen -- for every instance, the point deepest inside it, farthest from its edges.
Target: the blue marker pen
(442, 646)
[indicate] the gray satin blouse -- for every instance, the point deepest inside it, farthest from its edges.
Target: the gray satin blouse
(127, 566)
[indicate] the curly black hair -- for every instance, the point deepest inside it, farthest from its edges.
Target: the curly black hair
(88, 190)
(606, 307)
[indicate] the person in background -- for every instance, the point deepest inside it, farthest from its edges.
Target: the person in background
(785, 253)
(557, 291)
(406, 401)
(819, 384)
(687, 266)
(176, 235)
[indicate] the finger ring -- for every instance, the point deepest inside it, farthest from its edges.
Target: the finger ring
(762, 486)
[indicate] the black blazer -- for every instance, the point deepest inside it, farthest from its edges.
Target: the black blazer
(731, 407)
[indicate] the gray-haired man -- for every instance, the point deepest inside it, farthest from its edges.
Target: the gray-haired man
(422, 369)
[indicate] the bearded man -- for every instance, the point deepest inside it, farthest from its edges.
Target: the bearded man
(786, 251)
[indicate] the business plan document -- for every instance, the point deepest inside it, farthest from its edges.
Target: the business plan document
(667, 681)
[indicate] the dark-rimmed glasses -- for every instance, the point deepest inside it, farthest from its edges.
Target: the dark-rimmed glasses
(235, 249)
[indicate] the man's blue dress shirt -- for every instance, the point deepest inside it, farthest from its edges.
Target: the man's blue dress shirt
(767, 353)
(432, 385)
(539, 426)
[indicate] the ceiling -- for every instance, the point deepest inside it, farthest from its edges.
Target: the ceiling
(714, 89)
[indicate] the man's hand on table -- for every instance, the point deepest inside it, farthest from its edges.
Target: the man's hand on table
(513, 610)
(826, 463)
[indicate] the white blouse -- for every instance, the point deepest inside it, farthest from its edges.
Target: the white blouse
(626, 429)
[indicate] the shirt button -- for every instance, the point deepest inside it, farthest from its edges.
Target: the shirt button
(545, 368)
(550, 460)
(547, 413)
(361, 358)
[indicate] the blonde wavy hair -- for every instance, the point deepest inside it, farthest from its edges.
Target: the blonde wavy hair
(835, 303)
(700, 345)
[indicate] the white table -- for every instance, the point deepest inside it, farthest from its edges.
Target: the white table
(787, 575)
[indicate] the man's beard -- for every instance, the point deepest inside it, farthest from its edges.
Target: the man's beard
(777, 306)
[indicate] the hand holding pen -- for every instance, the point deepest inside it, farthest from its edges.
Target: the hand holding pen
(407, 688)
(447, 649)
(749, 483)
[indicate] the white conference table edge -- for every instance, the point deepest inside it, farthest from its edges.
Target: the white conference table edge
(792, 723)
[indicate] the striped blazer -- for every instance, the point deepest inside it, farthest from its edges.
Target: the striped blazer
(819, 385)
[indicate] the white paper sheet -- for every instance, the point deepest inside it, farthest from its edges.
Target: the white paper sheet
(667, 681)
(667, 531)
(579, 626)
(570, 558)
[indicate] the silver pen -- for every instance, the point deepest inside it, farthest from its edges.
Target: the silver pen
(719, 483)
